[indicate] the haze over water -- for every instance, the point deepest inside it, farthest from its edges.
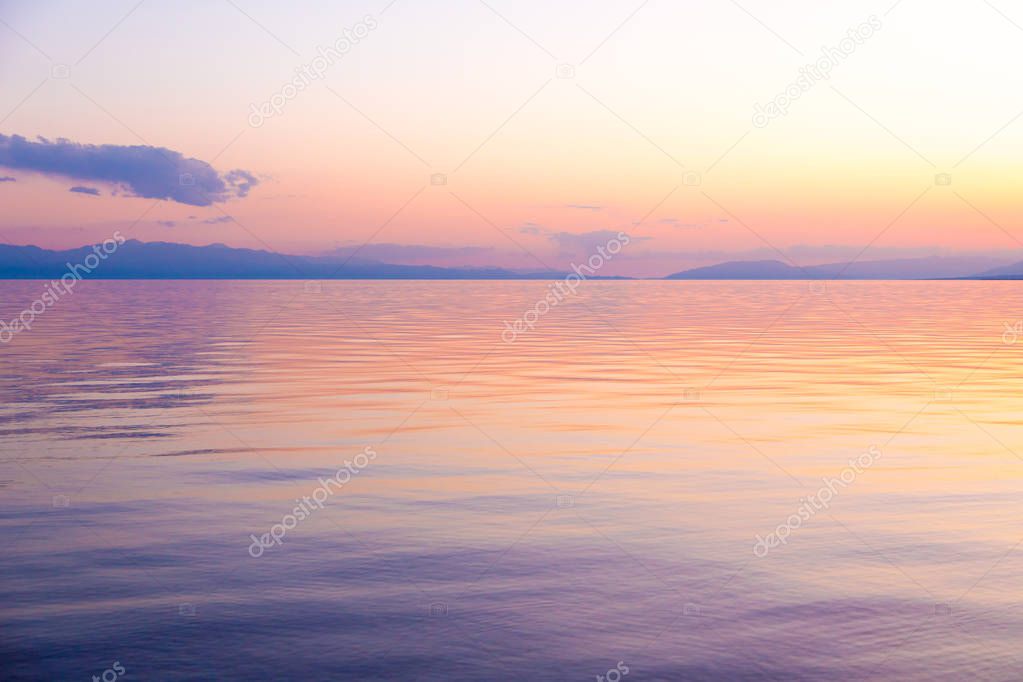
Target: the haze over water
(545, 509)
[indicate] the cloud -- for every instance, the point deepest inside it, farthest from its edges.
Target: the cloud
(241, 180)
(144, 171)
(571, 244)
(533, 228)
(219, 219)
(78, 189)
(8, 178)
(585, 243)
(585, 207)
(675, 222)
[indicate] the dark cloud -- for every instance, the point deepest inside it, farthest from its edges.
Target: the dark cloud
(166, 223)
(78, 189)
(8, 178)
(144, 171)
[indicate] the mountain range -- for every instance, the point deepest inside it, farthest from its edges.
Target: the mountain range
(163, 260)
(932, 267)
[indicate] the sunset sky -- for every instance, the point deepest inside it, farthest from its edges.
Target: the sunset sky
(552, 128)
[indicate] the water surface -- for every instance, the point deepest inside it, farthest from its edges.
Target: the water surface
(588, 495)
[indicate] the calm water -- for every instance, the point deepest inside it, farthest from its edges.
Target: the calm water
(586, 499)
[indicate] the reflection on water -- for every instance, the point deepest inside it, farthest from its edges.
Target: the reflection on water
(588, 495)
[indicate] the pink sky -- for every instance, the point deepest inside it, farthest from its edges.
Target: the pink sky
(652, 132)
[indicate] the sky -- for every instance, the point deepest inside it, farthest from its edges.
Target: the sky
(521, 133)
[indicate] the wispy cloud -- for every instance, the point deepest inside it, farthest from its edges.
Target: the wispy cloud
(583, 243)
(144, 171)
(193, 220)
(675, 222)
(79, 189)
(533, 228)
(585, 207)
(8, 178)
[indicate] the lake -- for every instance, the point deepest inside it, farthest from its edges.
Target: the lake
(357, 480)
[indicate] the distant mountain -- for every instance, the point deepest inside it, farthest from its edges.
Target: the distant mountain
(1014, 271)
(755, 269)
(162, 260)
(934, 267)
